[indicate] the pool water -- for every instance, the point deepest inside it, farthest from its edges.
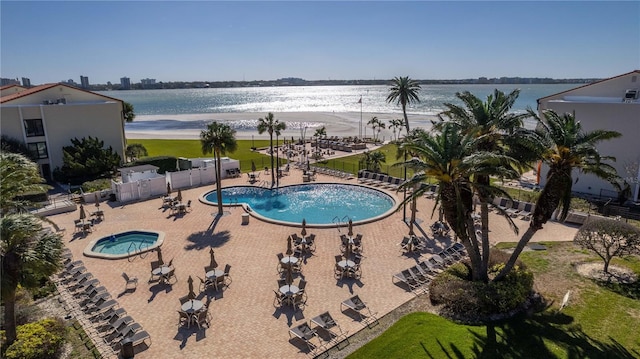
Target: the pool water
(321, 203)
(124, 244)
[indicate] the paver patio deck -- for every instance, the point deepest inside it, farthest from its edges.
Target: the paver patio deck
(245, 323)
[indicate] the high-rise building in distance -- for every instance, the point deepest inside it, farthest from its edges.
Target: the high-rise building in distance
(84, 82)
(125, 83)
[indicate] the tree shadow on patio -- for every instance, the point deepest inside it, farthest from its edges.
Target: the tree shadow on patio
(206, 239)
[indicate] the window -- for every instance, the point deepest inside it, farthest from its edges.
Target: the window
(39, 149)
(34, 127)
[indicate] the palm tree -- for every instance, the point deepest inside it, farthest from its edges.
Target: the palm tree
(376, 126)
(404, 91)
(373, 160)
(219, 139)
(320, 132)
(497, 131)
(568, 148)
(135, 151)
(270, 125)
(127, 112)
(28, 255)
(19, 176)
(396, 125)
(452, 159)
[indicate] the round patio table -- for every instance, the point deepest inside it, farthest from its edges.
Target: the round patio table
(346, 264)
(192, 306)
(161, 270)
(289, 290)
(289, 260)
(213, 274)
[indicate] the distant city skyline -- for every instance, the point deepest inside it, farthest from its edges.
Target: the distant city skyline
(253, 41)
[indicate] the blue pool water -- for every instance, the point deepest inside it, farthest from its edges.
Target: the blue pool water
(319, 203)
(125, 242)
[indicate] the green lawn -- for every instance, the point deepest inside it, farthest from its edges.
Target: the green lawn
(193, 149)
(600, 322)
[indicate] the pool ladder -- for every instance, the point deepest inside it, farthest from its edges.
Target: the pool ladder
(340, 222)
(137, 252)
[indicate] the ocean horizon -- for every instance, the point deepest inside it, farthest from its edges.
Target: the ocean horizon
(188, 111)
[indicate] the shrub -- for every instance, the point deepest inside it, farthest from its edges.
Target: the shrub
(477, 301)
(96, 185)
(38, 340)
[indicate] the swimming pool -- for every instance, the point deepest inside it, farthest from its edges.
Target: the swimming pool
(124, 244)
(320, 204)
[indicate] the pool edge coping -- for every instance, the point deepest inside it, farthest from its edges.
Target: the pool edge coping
(88, 250)
(247, 209)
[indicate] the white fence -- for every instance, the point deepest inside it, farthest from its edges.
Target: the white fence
(154, 187)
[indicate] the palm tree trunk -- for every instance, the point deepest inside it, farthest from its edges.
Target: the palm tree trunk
(406, 119)
(10, 316)
(10, 275)
(484, 218)
(526, 237)
(218, 181)
(273, 178)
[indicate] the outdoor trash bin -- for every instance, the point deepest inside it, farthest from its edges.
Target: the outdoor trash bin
(245, 218)
(126, 348)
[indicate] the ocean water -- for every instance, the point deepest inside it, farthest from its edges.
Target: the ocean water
(188, 108)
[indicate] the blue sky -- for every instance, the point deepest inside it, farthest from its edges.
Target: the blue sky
(217, 41)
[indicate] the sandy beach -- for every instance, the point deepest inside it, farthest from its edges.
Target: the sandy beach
(336, 123)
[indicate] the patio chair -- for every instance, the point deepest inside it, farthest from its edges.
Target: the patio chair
(99, 308)
(189, 206)
(278, 299)
(155, 277)
(227, 278)
(422, 276)
(326, 323)
(299, 301)
(170, 275)
(129, 281)
(306, 334)
(108, 314)
(411, 283)
(514, 210)
(526, 211)
(202, 318)
(356, 304)
(184, 318)
(280, 268)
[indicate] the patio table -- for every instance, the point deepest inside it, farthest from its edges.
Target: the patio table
(162, 272)
(289, 292)
(192, 306)
(289, 260)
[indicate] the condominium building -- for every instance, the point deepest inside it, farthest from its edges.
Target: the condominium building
(611, 104)
(125, 83)
(47, 117)
(84, 82)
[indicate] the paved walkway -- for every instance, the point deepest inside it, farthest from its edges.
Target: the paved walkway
(245, 323)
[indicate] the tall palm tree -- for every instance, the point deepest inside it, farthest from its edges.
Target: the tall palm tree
(452, 159)
(498, 131)
(568, 148)
(376, 126)
(270, 125)
(403, 92)
(320, 132)
(218, 139)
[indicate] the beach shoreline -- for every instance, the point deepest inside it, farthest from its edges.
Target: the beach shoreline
(341, 124)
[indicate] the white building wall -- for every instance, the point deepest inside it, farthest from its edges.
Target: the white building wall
(594, 113)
